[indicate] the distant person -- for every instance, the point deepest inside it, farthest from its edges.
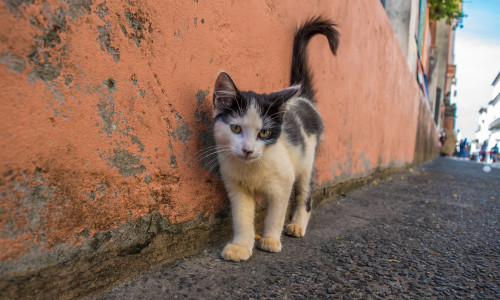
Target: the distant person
(484, 148)
(463, 148)
(494, 153)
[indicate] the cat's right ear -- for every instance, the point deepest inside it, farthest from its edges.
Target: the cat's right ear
(225, 91)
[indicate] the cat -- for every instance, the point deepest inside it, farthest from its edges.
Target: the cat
(266, 146)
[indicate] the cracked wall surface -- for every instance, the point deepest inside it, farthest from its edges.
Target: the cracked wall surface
(106, 112)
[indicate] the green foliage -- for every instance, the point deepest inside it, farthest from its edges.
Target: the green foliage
(446, 9)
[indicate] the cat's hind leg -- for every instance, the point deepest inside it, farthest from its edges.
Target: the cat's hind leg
(303, 206)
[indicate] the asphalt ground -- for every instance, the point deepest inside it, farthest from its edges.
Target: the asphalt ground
(430, 232)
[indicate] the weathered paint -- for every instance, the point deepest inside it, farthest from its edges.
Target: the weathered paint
(106, 108)
(427, 139)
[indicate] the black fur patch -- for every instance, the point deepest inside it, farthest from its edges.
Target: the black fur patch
(309, 203)
(270, 107)
(309, 197)
(232, 108)
(300, 72)
(230, 103)
(271, 111)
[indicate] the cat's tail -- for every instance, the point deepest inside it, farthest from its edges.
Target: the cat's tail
(300, 71)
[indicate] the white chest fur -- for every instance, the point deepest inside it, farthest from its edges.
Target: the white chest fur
(275, 167)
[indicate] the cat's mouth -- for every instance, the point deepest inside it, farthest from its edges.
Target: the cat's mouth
(249, 158)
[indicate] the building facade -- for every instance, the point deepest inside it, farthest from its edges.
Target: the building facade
(428, 46)
(489, 118)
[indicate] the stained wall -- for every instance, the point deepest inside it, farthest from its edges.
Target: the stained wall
(106, 112)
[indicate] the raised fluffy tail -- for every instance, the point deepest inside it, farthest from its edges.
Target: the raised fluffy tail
(300, 71)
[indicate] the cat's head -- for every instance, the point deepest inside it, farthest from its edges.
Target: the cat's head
(247, 123)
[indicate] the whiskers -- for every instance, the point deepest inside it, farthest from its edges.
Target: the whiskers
(210, 156)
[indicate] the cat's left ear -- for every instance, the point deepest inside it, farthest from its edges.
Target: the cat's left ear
(286, 94)
(225, 91)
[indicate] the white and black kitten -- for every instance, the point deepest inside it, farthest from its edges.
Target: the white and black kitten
(266, 146)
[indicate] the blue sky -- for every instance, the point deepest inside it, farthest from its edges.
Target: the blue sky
(477, 56)
(483, 19)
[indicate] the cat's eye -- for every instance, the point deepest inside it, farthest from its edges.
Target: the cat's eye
(264, 133)
(235, 128)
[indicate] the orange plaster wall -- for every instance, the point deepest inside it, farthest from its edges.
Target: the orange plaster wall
(106, 105)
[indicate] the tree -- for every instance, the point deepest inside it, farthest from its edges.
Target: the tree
(451, 10)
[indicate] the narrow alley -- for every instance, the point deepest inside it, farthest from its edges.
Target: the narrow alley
(431, 231)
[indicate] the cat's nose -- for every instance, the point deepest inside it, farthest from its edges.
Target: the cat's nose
(247, 152)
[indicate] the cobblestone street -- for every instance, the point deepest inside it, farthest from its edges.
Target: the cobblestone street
(431, 231)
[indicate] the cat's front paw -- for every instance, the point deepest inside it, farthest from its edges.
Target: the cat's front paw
(295, 230)
(269, 244)
(236, 253)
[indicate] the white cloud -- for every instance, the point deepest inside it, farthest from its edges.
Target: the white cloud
(478, 63)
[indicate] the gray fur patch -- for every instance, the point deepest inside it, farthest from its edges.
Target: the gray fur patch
(292, 127)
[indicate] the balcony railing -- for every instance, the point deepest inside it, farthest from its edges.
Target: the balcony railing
(494, 125)
(495, 100)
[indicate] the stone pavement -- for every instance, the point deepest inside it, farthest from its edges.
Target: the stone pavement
(432, 231)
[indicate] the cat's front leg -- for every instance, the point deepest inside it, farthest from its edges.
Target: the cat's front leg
(243, 214)
(275, 218)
